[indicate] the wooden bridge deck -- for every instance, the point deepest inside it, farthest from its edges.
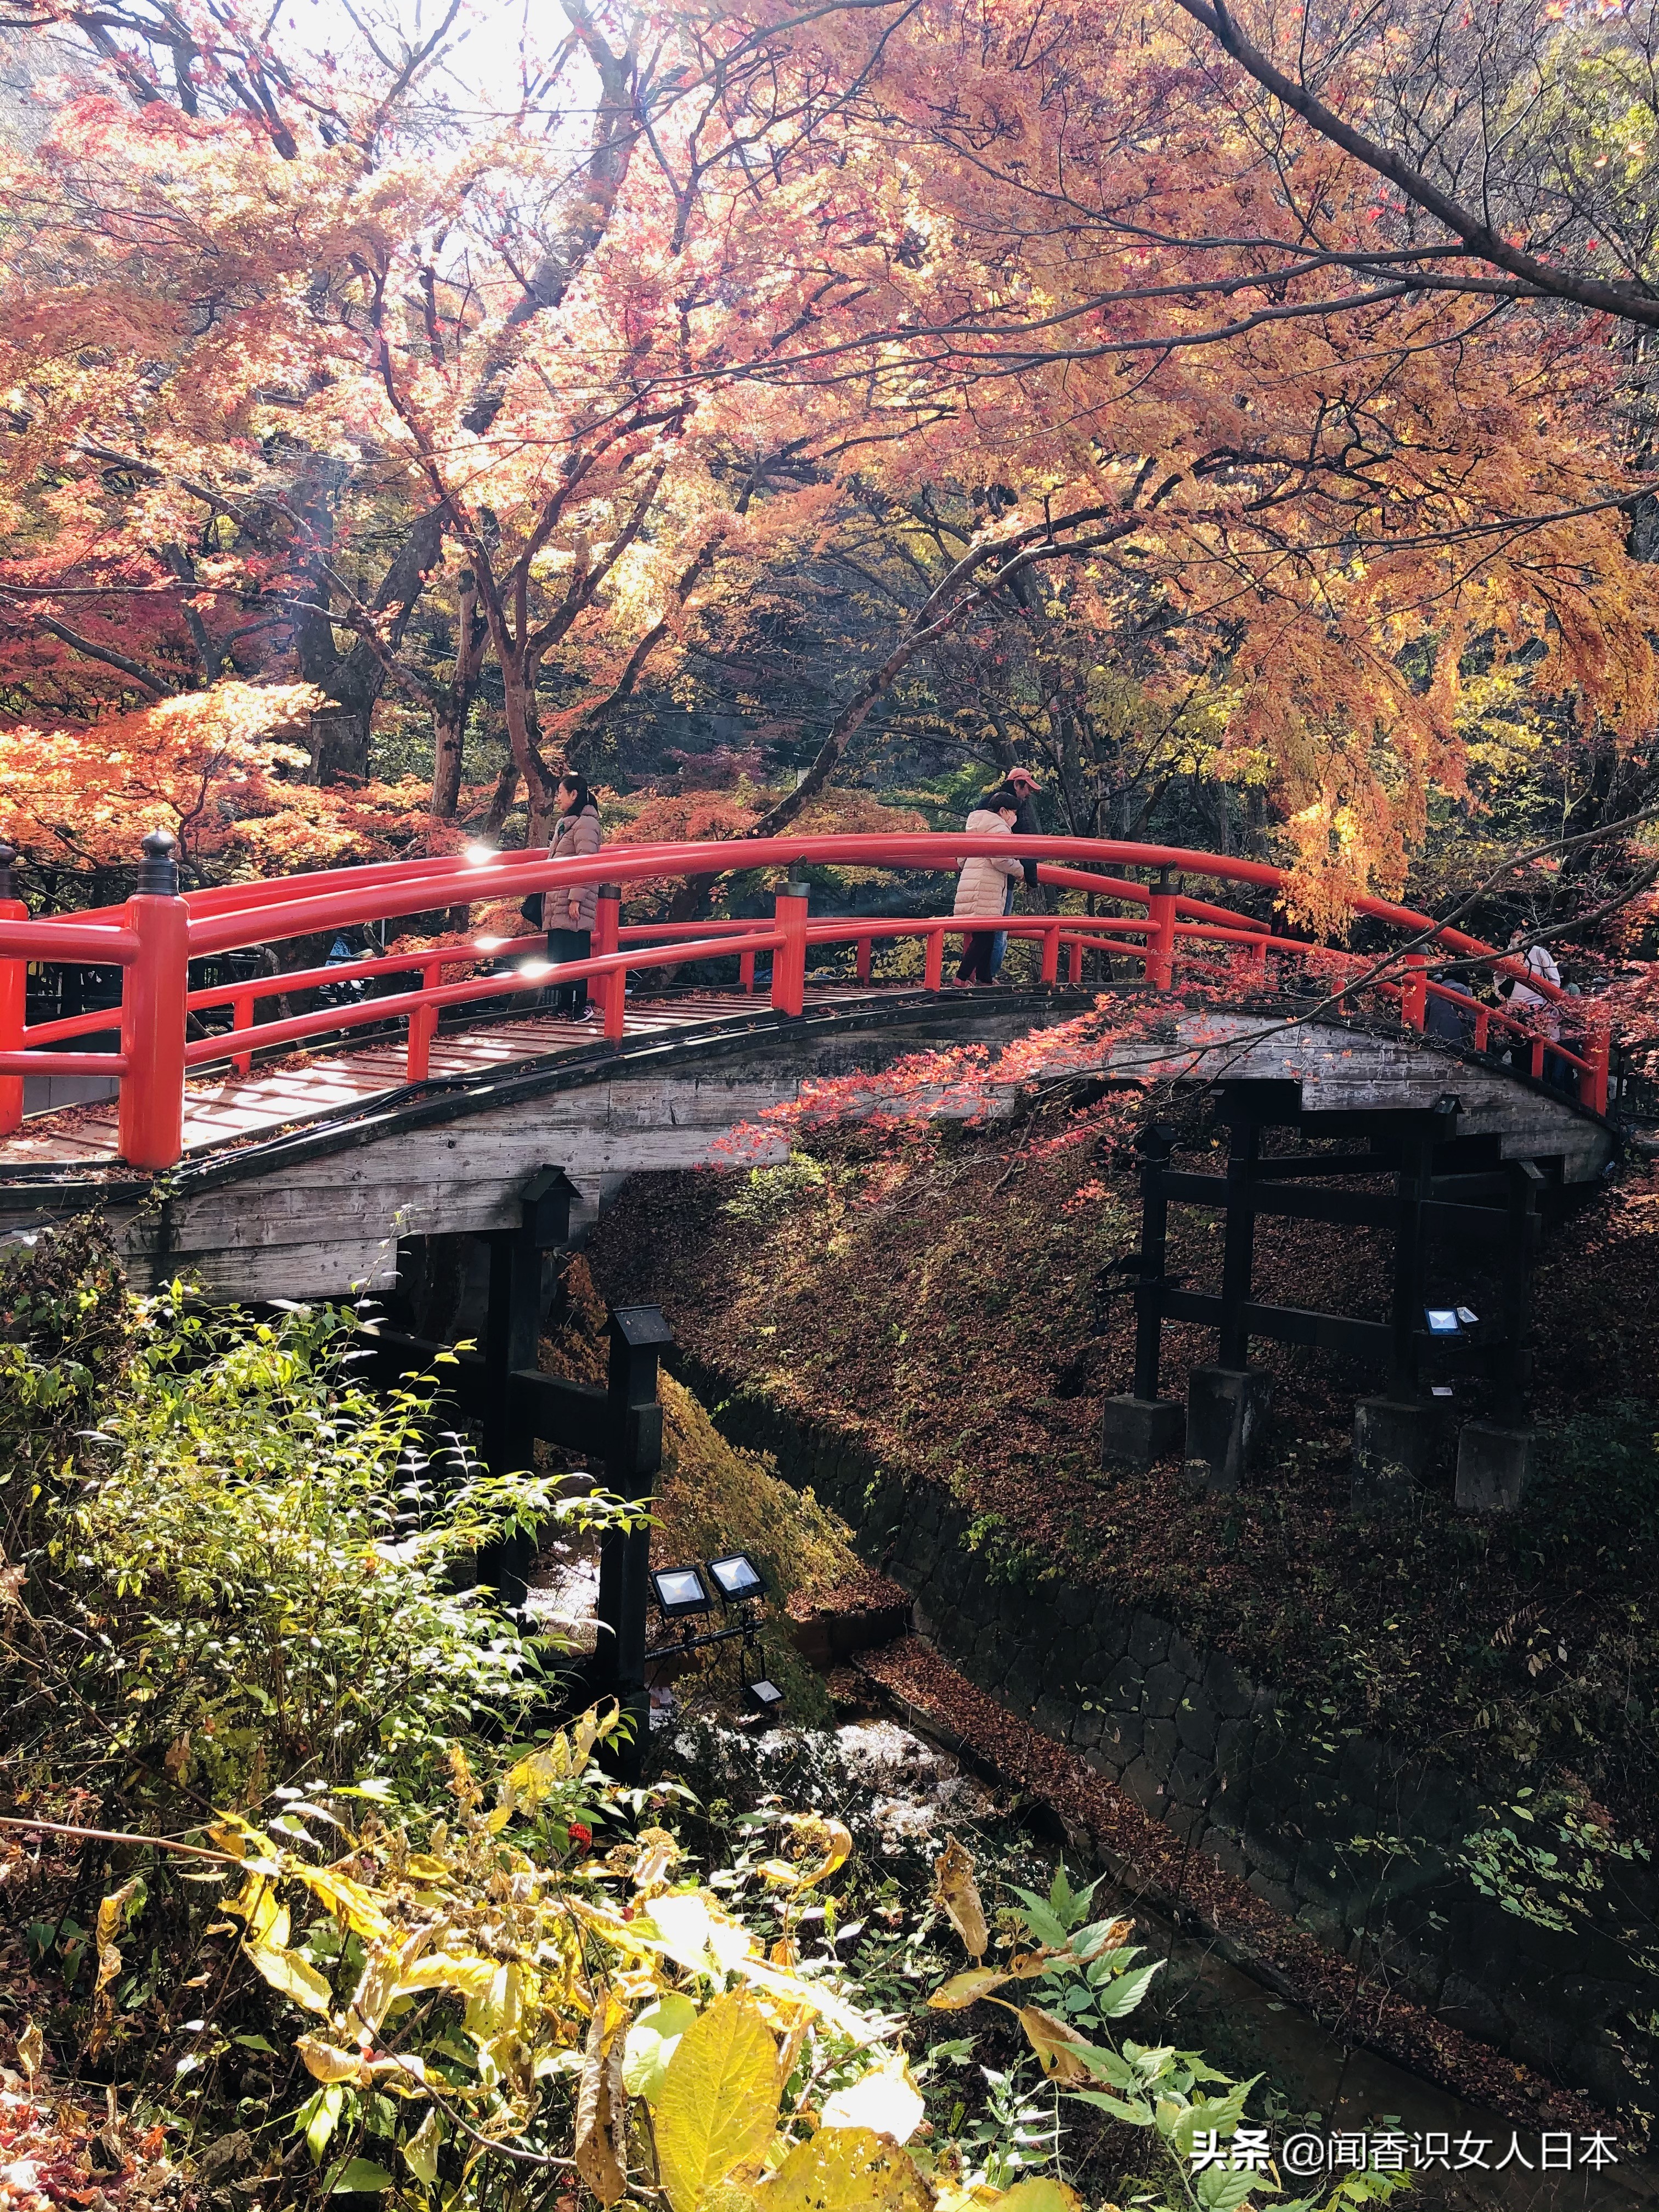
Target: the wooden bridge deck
(225, 1108)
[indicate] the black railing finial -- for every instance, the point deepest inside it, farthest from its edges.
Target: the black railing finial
(158, 871)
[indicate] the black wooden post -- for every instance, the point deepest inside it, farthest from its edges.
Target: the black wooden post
(1155, 1143)
(1525, 1231)
(639, 1335)
(1238, 1253)
(1411, 1188)
(511, 1339)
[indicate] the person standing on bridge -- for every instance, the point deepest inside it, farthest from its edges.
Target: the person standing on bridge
(1534, 1008)
(569, 912)
(1026, 788)
(983, 886)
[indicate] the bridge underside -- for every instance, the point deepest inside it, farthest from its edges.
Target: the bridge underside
(300, 1181)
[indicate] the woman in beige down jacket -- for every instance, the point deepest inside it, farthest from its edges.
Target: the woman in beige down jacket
(982, 888)
(568, 911)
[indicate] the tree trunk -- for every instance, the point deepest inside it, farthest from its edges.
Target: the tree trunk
(449, 714)
(449, 724)
(502, 804)
(339, 744)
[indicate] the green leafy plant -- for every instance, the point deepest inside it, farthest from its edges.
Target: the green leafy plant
(253, 1575)
(1084, 1979)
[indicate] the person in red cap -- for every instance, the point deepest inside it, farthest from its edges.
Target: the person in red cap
(1026, 788)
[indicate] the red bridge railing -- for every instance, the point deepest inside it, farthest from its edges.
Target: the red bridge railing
(155, 936)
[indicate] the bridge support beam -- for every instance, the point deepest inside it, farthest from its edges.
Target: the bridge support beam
(633, 1454)
(1493, 1464)
(512, 1327)
(1227, 1408)
(1137, 1433)
(1394, 1441)
(1139, 1427)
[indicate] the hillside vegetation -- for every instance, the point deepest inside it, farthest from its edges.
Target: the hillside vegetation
(953, 1307)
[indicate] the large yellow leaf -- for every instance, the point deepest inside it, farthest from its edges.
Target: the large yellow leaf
(111, 1918)
(652, 2040)
(965, 1989)
(384, 1966)
(844, 2170)
(421, 2149)
(256, 1903)
(1055, 2043)
(347, 1899)
(468, 1977)
(601, 2112)
(326, 2062)
(825, 1844)
(958, 1892)
(295, 1977)
(886, 2101)
(1041, 2194)
(718, 2102)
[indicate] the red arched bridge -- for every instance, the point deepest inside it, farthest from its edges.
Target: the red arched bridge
(153, 938)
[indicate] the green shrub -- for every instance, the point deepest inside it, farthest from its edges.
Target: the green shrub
(246, 1573)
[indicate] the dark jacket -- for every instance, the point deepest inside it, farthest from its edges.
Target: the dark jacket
(1027, 826)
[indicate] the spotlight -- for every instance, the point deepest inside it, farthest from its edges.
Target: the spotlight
(767, 1695)
(1467, 1318)
(487, 944)
(477, 855)
(533, 970)
(737, 1578)
(680, 1590)
(1443, 1320)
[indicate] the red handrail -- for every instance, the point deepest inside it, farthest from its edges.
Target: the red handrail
(158, 932)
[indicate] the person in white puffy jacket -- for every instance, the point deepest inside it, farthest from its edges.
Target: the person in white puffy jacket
(568, 912)
(983, 885)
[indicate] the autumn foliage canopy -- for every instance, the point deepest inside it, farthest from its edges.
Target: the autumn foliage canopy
(533, 409)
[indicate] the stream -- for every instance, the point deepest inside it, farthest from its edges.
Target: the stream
(902, 1792)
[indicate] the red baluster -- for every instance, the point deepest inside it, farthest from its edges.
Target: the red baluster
(1161, 942)
(1414, 990)
(241, 1018)
(423, 1025)
(789, 960)
(934, 970)
(13, 1000)
(613, 991)
(150, 1119)
(1599, 1053)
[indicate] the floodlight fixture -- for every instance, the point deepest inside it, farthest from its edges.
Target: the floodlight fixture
(737, 1578)
(533, 970)
(1467, 1318)
(766, 1694)
(680, 1591)
(488, 943)
(1443, 1320)
(1440, 1390)
(478, 854)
